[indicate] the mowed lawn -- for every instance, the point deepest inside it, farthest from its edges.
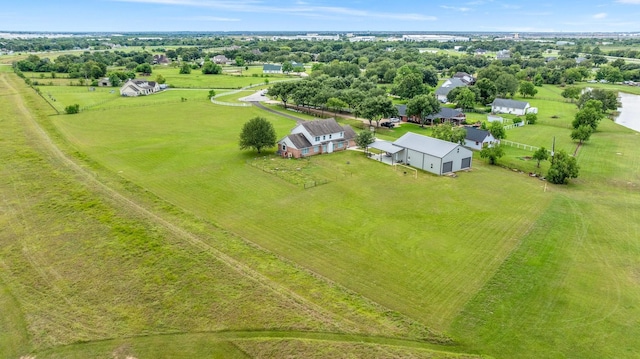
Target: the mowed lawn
(421, 246)
(89, 274)
(506, 264)
(196, 79)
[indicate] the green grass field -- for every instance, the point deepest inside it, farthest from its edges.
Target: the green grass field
(500, 263)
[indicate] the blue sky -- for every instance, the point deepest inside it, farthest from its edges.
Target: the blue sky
(320, 15)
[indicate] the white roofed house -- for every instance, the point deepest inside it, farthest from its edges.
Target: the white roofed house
(432, 155)
(501, 105)
(135, 87)
(447, 86)
(465, 77)
(311, 138)
(220, 60)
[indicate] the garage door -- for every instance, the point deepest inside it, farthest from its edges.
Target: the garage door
(466, 162)
(447, 167)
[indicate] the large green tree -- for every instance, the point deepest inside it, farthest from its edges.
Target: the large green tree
(209, 68)
(257, 133)
(185, 69)
(282, 90)
(540, 155)
(377, 108)
(492, 153)
(527, 88)
(497, 130)
(582, 133)
(448, 132)
(487, 91)
(589, 115)
(571, 93)
(465, 98)
(506, 85)
(423, 106)
(563, 167)
(409, 86)
(364, 139)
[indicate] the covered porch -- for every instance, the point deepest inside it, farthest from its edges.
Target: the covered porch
(390, 154)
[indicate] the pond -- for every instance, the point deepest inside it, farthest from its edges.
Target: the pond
(629, 111)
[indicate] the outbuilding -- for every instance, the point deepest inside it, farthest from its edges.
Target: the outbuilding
(502, 105)
(432, 155)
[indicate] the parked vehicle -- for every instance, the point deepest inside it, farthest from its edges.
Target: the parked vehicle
(394, 120)
(388, 124)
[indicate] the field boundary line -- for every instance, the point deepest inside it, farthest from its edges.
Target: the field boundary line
(321, 314)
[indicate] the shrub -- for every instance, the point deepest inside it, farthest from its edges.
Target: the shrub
(72, 109)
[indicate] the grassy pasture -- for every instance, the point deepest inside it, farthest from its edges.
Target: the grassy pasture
(222, 81)
(506, 265)
(109, 272)
(331, 240)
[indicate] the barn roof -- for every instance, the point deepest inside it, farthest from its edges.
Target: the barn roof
(425, 144)
(503, 102)
(322, 127)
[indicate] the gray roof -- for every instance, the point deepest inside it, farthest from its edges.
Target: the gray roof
(503, 102)
(449, 85)
(425, 144)
(349, 133)
(271, 67)
(446, 113)
(385, 146)
(299, 141)
(465, 77)
(402, 110)
(475, 134)
(322, 127)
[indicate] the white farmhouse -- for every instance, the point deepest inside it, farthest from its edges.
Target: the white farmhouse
(139, 88)
(501, 105)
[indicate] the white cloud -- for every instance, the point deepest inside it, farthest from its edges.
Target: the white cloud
(301, 9)
(601, 15)
(635, 2)
(455, 8)
(211, 18)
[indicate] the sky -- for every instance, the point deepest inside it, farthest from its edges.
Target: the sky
(320, 15)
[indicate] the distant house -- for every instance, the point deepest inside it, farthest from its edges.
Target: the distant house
(503, 54)
(311, 138)
(445, 114)
(465, 77)
(220, 60)
(447, 86)
(135, 87)
(480, 52)
(104, 82)
(277, 68)
(501, 105)
(580, 60)
(432, 155)
(271, 69)
(478, 139)
(161, 60)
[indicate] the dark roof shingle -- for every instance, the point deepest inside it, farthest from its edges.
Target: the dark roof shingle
(322, 127)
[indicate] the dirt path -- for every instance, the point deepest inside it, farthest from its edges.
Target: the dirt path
(263, 107)
(317, 312)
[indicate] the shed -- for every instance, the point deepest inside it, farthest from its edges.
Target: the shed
(501, 105)
(432, 155)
